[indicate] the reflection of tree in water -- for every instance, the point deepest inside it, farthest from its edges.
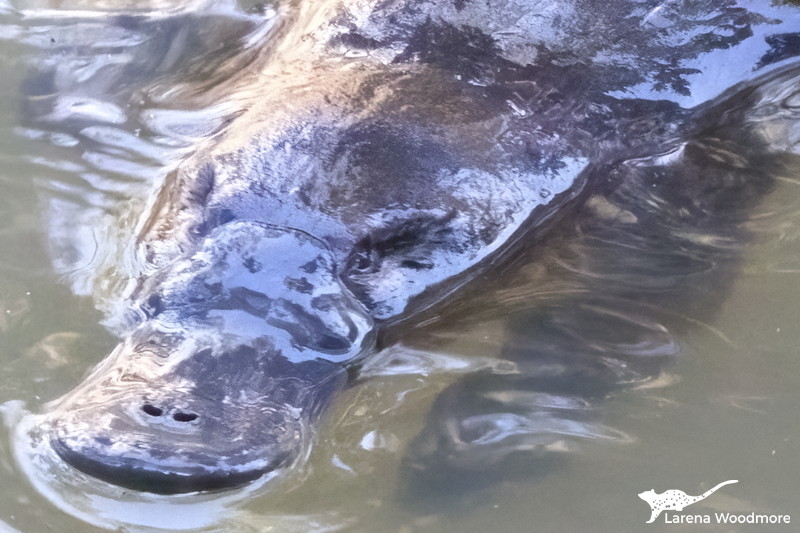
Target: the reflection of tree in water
(616, 44)
(781, 46)
(598, 48)
(653, 41)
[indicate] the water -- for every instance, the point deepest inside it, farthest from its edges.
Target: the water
(725, 409)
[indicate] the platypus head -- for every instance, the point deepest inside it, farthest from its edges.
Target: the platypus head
(245, 340)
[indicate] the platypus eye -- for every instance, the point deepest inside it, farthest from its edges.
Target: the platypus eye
(153, 306)
(363, 261)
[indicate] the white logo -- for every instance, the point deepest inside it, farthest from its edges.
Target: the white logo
(675, 500)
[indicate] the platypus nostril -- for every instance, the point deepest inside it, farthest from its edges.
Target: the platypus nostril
(190, 447)
(152, 410)
(184, 417)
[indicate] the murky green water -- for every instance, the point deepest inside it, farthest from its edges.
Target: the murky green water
(726, 410)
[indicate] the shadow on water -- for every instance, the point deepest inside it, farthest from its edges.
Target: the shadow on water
(646, 340)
